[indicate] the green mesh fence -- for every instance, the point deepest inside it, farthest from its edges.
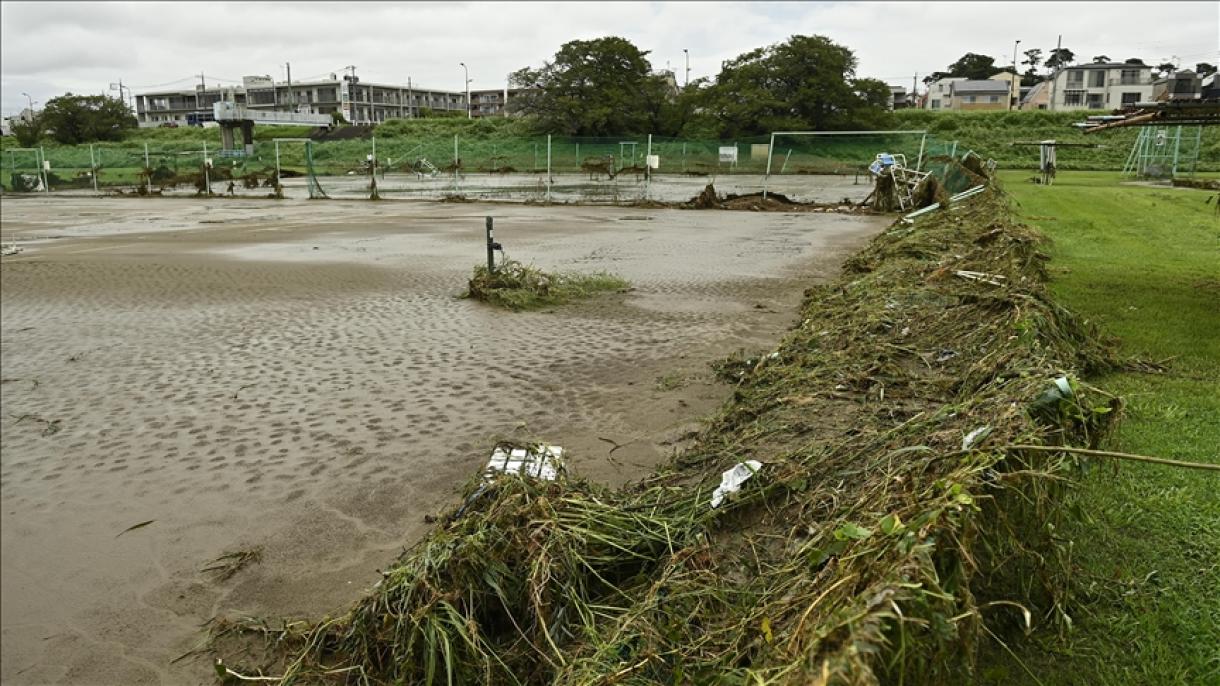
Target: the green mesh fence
(605, 170)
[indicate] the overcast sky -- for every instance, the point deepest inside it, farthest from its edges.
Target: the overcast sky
(49, 48)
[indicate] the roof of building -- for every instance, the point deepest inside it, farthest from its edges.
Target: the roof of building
(981, 86)
(1106, 65)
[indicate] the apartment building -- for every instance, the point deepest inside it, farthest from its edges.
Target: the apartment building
(1100, 86)
(492, 103)
(359, 102)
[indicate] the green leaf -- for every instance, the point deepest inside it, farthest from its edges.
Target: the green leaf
(891, 524)
(852, 531)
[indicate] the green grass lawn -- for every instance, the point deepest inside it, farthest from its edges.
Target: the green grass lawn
(1145, 264)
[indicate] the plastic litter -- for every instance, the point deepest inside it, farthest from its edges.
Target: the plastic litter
(539, 462)
(731, 481)
(975, 437)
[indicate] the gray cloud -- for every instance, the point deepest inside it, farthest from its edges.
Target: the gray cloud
(50, 48)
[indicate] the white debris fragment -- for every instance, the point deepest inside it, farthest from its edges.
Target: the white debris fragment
(731, 481)
(542, 462)
(975, 436)
(10, 249)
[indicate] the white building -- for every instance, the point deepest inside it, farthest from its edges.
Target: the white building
(1103, 86)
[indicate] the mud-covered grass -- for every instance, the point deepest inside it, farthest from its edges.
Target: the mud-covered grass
(1143, 262)
(517, 286)
(897, 522)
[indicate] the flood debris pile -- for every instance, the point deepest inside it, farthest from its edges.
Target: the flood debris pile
(517, 286)
(886, 528)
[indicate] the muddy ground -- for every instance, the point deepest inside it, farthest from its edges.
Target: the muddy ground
(299, 376)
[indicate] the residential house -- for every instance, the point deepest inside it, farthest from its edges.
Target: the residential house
(898, 98)
(940, 95)
(1013, 80)
(492, 103)
(1180, 85)
(985, 94)
(1100, 86)
(1211, 87)
(1038, 97)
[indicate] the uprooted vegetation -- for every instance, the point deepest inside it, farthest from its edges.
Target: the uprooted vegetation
(517, 286)
(896, 523)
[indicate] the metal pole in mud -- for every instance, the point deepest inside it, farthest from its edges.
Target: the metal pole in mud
(491, 249)
(92, 168)
(207, 173)
(548, 167)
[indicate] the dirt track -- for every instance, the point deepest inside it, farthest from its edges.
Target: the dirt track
(299, 376)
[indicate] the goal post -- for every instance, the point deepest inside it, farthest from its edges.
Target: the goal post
(838, 152)
(311, 177)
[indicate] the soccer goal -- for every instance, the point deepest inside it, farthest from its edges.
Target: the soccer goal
(304, 160)
(839, 157)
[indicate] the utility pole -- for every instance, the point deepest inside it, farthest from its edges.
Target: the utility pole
(466, 72)
(687, 53)
(914, 90)
(1014, 90)
(203, 85)
(292, 101)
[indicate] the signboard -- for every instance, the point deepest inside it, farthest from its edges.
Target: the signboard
(653, 161)
(728, 153)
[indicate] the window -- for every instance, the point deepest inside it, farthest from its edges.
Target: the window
(1130, 77)
(936, 103)
(1130, 98)
(969, 98)
(1073, 98)
(1096, 101)
(1097, 78)
(994, 98)
(1075, 78)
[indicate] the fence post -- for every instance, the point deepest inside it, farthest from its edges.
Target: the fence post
(770, 152)
(46, 180)
(578, 156)
(148, 171)
(647, 167)
(683, 157)
(207, 173)
(491, 248)
(548, 167)
(922, 140)
(277, 162)
(92, 168)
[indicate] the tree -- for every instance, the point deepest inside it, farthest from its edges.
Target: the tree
(596, 87)
(75, 119)
(1059, 58)
(1134, 61)
(1203, 69)
(27, 131)
(806, 82)
(1166, 68)
(973, 66)
(1101, 59)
